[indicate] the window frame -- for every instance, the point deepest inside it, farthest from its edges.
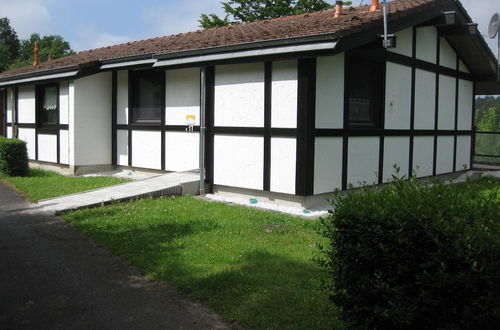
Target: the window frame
(49, 127)
(377, 114)
(133, 97)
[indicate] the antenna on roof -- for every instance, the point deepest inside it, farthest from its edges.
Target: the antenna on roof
(493, 30)
(389, 40)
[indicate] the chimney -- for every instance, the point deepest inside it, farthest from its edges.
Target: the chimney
(375, 5)
(35, 52)
(338, 8)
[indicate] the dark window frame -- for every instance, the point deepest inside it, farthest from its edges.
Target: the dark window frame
(134, 107)
(49, 127)
(377, 110)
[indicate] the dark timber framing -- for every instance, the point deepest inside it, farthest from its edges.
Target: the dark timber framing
(268, 72)
(412, 101)
(455, 138)
(39, 128)
(3, 115)
(436, 109)
(114, 116)
(306, 101)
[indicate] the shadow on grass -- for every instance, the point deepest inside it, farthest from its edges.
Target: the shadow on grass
(270, 291)
(257, 289)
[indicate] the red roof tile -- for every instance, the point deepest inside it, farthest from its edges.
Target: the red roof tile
(354, 19)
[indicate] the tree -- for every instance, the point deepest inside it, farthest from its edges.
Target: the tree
(241, 11)
(9, 44)
(52, 45)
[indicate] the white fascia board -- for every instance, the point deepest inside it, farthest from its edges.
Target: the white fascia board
(129, 63)
(38, 78)
(246, 53)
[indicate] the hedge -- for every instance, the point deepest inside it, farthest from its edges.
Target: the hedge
(414, 256)
(13, 157)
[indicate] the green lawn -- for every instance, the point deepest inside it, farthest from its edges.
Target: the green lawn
(42, 184)
(252, 267)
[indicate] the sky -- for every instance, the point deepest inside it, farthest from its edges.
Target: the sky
(89, 24)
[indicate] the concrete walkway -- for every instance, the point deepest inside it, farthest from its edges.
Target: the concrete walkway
(178, 183)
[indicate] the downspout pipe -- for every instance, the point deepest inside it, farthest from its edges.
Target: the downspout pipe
(203, 95)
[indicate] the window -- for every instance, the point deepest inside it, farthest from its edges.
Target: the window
(48, 104)
(365, 92)
(148, 94)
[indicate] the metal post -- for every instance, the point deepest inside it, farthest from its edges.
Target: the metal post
(203, 91)
(384, 13)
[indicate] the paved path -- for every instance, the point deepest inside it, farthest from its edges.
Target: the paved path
(51, 277)
(166, 184)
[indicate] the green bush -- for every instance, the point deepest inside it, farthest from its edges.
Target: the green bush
(13, 157)
(412, 256)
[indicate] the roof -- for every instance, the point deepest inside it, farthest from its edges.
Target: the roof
(289, 29)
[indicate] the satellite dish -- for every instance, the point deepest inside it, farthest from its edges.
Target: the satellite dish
(494, 26)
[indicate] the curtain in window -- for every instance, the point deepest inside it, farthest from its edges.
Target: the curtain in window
(50, 99)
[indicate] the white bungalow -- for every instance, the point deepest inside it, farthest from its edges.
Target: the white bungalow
(290, 108)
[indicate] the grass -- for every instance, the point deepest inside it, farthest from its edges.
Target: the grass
(40, 184)
(252, 267)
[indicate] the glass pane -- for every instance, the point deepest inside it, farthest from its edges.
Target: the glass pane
(147, 96)
(49, 106)
(365, 92)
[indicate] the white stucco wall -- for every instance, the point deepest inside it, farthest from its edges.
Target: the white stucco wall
(444, 157)
(182, 95)
(238, 161)
(463, 152)
(423, 153)
(122, 97)
(182, 151)
(425, 99)
(26, 104)
(330, 91)
(446, 102)
(284, 94)
(447, 56)
(465, 90)
(362, 161)
(64, 147)
(397, 96)
(462, 67)
(122, 147)
(239, 95)
(28, 136)
(283, 164)
(10, 105)
(396, 152)
(426, 43)
(146, 149)
(404, 40)
(47, 147)
(92, 120)
(71, 122)
(327, 164)
(63, 102)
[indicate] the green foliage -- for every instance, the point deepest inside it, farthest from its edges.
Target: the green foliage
(9, 44)
(252, 267)
(414, 256)
(52, 45)
(13, 157)
(488, 114)
(40, 184)
(241, 11)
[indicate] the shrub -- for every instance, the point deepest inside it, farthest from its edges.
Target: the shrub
(413, 256)
(13, 157)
